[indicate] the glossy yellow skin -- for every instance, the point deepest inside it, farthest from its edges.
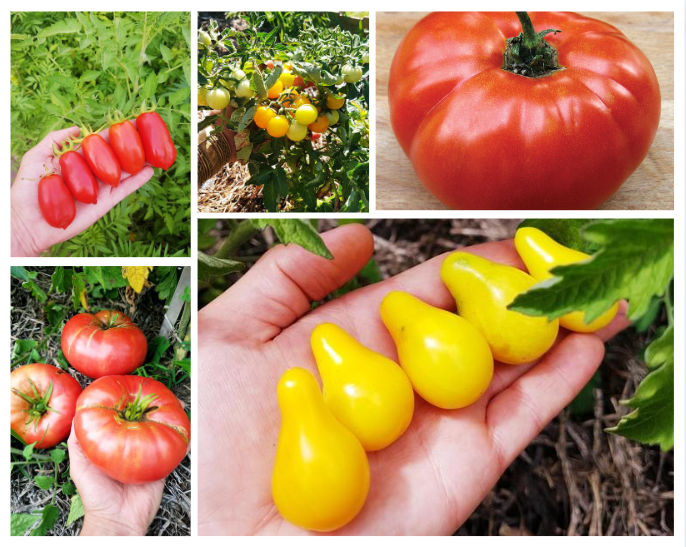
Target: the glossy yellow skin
(367, 392)
(483, 290)
(447, 360)
(541, 253)
(321, 473)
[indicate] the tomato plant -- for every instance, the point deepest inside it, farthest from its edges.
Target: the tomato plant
(55, 201)
(300, 78)
(103, 344)
(562, 126)
(77, 175)
(43, 402)
(132, 428)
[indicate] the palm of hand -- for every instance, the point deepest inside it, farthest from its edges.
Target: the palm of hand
(427, 482)
(33, 233)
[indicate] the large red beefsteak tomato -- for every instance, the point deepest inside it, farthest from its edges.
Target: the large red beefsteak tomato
(43, 401)
(132, 428)
(481, 137)
(104, 343)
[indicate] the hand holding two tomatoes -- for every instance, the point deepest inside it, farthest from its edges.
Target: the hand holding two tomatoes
(31, 235)
(454, 457)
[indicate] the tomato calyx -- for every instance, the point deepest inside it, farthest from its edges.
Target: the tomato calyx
(70, 145)
(38, 405)
(528, 54)
(136, 410)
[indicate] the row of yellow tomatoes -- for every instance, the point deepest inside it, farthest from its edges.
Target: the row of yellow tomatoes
(321, 475)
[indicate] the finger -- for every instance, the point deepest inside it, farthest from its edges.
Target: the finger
(520, 412)
(281, 286)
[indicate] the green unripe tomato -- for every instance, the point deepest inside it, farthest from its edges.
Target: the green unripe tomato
(218, 98)
(238, 75)
(202, 96)
(333, 117)
(296, 131)
(365, 58)
(243, 89)
(306, 114)
(351, 74)
(204, 38)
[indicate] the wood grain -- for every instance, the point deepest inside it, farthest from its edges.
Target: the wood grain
(650, 187)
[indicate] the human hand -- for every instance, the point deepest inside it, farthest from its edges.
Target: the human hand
(432, 478)
(110, 507)
(31, 235)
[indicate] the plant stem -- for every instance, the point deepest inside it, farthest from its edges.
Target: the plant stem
(239, 235)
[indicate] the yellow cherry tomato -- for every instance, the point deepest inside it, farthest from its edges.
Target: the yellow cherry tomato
(541, 253)
(218, 98)
(301, 100)
(482, 290)
(286, 78)
(275, 90)
(262, 116)
(202, 96)
(277, 126)
(367, 392)
(296, 131)
(333, 117)
(288, 66)
(320, 125)
(332, 103)
(446, 358)
(320, 479)
(306, 114)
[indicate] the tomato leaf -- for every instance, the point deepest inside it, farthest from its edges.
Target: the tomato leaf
(21, 522)
(75, 510)
(211, 266)
(635, 262)
(298, 231)
(50, 514)
(652, 421)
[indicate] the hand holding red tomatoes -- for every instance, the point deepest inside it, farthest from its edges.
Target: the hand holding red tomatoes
(31, 234)
(132, 428)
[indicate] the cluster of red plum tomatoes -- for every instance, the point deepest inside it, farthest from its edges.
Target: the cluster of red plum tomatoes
(130, 147)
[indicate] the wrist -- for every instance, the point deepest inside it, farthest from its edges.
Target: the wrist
(96, 525)
(21, 239)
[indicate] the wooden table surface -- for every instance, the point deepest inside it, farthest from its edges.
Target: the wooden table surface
(650, 187)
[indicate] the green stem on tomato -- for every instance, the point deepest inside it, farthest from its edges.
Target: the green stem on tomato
(528, 54)
(239, 235)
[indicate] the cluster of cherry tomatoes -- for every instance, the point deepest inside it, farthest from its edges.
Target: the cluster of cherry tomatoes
(128, 149)
(288, 109)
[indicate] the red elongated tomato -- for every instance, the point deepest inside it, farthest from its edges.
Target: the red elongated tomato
(104, 343)
(480, 137)
(78, 177)
(127, 146)
(56, 202)
(101, 159)
(157, 142)
(43, 402)
(132, 428)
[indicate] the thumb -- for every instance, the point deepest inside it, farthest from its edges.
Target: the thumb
(280, 287)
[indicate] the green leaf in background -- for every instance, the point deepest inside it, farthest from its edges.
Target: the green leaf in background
(635, 262)
(61, 279)
(50, 514)
(79, 287)
(21, 522)
(566, 231)
(75, 510)
(109, 277)
(45, 482)
(31, 285)
(211, 266)
(583, 403)
(19, 272)
(652, 421)
(298, 231)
